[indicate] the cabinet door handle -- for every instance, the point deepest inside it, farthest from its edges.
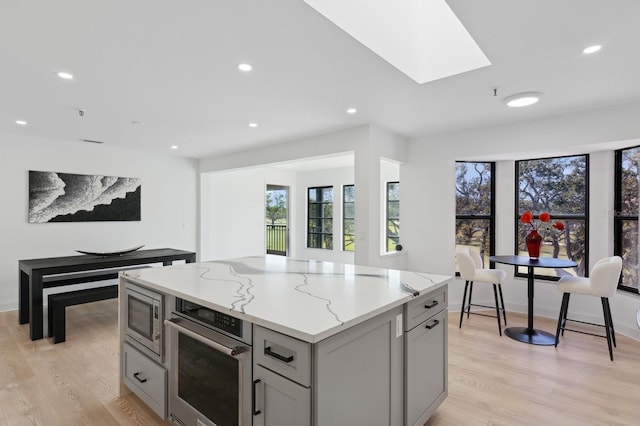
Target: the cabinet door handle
(430, 326)
(268, 351)
(253, 398)
(434, 303)
(137, 376)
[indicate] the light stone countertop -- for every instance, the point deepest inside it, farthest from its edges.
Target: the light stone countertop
(306, 299)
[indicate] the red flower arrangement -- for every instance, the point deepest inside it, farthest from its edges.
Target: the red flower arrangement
(542, 222)
(534, 239)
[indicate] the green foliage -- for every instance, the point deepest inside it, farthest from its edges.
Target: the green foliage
(276, 206)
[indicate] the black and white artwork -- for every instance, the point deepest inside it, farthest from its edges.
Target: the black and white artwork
(67, 197)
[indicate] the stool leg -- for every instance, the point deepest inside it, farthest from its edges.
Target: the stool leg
(470, 292)
(562, 316)
(504, 311)
(613, 332)
(464, 302)
(495, 297)
(566, 311)
(607, 325)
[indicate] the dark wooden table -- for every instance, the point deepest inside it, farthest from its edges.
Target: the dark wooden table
(32, 271)
(529, 334)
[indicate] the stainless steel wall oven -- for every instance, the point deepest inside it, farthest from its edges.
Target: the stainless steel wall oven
(209, 367)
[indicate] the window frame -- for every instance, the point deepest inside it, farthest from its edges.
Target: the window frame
(490, 217)
(554, 216)
(619, 218)
(345, 218)
(387, 219)
(321, 233)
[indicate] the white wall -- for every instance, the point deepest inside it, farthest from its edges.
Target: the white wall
(428, 199)
(169, 204)
(233, 211)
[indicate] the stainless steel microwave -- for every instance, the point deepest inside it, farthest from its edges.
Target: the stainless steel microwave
(144, 319)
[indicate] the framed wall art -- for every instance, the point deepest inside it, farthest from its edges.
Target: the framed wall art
(67, 197)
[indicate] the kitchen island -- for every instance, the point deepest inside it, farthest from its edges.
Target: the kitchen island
(331, 343)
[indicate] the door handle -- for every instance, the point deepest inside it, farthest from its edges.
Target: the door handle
(253, 398)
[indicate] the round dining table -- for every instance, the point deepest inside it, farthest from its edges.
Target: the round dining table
(529, 334)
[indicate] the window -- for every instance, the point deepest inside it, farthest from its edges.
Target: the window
(475, 207)
(557, 185)
(625, 222)
(348, 218)
(320, 216)
(393, 215)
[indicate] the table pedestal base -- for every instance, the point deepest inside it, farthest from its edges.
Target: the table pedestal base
(531, 335)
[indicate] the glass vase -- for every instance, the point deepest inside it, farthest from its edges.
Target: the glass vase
(534, 241)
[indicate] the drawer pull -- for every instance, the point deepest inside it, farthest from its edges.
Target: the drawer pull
(433, 304)
(253, 399)
(268, 351)
(430, 326)
(137, 376)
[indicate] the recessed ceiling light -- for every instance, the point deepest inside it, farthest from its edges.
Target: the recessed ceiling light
(351, 111)
(245, 67)
(592, 49)
(254, 125)
(522, 99)
(21, 122)
(65, 75)
(174, 146)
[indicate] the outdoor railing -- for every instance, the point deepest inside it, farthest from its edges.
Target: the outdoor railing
(277, 239)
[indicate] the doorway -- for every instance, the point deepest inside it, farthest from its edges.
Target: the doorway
(277, 219)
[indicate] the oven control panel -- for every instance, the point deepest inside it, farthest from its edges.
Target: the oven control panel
(211, 317)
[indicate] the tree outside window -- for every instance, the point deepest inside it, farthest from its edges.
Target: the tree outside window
(557, 185)
(627, 187)
(475, 206)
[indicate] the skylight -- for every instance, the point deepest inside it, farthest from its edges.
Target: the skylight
(423, 39)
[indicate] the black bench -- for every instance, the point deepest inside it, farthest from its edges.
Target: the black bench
(59, 301)
(59, 280)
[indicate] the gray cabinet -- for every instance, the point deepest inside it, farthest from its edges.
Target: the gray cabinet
(358, 374)
(145, 378)
(281, 379)
(426, 359)
(279, 401)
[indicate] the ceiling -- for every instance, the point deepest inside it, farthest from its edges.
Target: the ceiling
(154, 73)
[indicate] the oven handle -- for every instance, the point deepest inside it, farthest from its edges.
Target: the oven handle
(173, 322)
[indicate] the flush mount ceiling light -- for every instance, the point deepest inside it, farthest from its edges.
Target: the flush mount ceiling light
(245, 67)
(65, 75)
(254, 125)
(174, 146)
(21, 122)
(522, 99)
(592, 49)
(351, 111)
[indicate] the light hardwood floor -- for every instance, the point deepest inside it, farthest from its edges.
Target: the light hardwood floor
(493, 380)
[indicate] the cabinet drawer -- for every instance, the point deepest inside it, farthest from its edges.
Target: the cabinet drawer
(282, 354)
(146, 379)
(424, 307)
